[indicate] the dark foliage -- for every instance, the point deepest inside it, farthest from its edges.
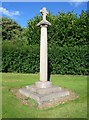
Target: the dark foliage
(63, 60)
(67, 44)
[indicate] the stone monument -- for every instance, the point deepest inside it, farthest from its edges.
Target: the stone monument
(43, 91)
(44, 83)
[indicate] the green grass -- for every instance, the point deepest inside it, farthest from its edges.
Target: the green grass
(13, 108)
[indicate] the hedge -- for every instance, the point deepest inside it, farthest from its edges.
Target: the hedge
(20, 59)
(63, 60)
(69, 60)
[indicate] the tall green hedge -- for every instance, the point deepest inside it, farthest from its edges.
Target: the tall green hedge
(69, 60)
(20, 58)
(63, 60)
(67, 40)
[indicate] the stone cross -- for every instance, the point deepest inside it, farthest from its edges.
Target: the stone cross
(44, 13)
(43, 91)
(43, 83)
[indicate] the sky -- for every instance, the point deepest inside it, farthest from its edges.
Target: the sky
(21, 12)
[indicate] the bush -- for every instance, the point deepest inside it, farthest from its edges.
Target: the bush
(69, 60)
(20, 58)
(64, 60)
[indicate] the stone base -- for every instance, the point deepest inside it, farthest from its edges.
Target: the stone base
(44, 95)
(46, 84)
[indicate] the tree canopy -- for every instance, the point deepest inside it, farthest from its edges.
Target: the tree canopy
(66, 29)
(10, 29)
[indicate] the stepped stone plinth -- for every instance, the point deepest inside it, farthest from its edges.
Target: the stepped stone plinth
(44, 95)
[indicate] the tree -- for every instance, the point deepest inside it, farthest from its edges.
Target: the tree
(33, 32)
(66, 29)
(9, 29)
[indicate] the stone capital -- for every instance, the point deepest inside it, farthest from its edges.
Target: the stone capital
(43, 23)
(45, 26)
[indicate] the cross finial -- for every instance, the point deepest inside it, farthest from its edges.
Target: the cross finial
(44, 12)
(43, 22)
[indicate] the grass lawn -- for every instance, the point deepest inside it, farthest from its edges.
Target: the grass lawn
(13, 108)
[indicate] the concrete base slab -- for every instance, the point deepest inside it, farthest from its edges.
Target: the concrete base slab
(44, 95)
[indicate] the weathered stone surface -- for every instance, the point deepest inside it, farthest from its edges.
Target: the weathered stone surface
(48, 90)
(43, 55)
(43, 22)
(45, 84)
(43, 50)
(44, 95)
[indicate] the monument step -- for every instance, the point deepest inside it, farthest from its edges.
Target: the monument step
(29, 94)
(51, 89)
(54, 96)
(43, 98)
